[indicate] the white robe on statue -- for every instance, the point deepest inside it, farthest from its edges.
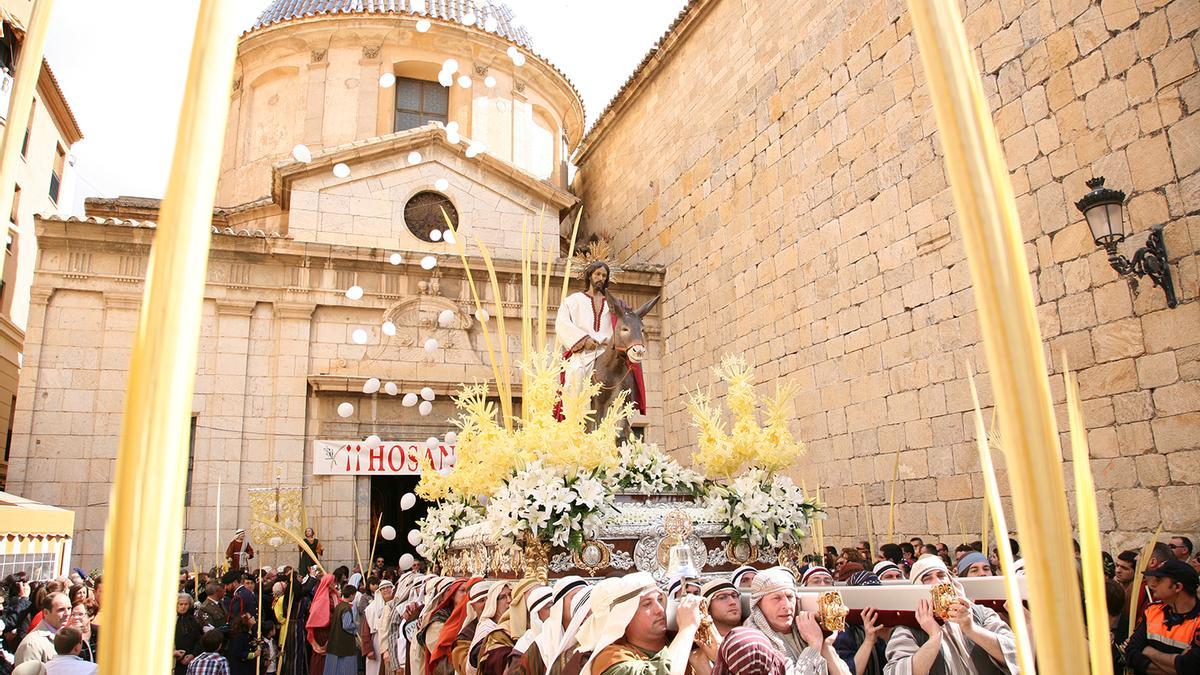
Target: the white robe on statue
(578, 319)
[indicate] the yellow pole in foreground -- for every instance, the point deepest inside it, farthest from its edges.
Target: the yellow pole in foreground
(992, 239)
(29, 69)
(143, 537)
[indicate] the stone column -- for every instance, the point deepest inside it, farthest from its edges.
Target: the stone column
(368, 92)
(225, 413)
(39, 300)
(314, 104)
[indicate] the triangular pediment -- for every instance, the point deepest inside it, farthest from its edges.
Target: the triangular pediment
(365, 160)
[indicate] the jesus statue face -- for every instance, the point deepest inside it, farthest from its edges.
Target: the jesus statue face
(598, 279)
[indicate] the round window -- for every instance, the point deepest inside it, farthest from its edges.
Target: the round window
(423, 214)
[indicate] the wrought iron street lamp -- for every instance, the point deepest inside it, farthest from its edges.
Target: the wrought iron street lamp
(1104, 210)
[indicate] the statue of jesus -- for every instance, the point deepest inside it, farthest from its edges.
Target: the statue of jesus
(583, 329)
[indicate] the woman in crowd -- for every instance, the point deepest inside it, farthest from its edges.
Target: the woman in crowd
(188, 630)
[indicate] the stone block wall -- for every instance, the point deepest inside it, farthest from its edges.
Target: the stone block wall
(781, 159)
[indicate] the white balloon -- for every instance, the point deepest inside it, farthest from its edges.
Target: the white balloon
(373, 441)
(359, 336)
(395, 258)
(387, 80)
(408, 501)
(519, 60)
(451, 437)
(445, 471)
(445, 79)
(469, 19)
(431, 345)
(406, 562)
(414, 537)
(371, 385)
(387, 532)
(448, 236)
(512, 52)
(301, 153)
(414, 157)
(446, 318)
(435, 235)
(450, 66)
(481, 315)
(453, 137)
(388, 328)
(409, 400)
(432, 443)
(425, 408)
(489, 24)
(489, 81)
(354, 292)
(475, 149)
(423, 26)
(464, 81)
(390, 388)
(452, 127)
(428, 262)
(422, 551)
(451, 457)
(345, 409)
(441, 184)
(341, 170)
(427, 393)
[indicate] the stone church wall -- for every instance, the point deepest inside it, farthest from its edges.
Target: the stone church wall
(781, 159)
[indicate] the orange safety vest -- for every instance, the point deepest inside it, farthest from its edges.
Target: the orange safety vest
(1174, 640)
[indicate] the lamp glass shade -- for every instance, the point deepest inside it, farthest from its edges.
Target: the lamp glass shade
(1106, 222)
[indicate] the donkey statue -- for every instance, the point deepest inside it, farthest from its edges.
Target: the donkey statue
(618, 368)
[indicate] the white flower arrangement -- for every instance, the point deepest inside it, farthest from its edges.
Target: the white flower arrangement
(443, 521)
(555, 506)
(763, 509)
(644, 469)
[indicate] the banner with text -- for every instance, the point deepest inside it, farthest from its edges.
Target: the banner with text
(390, 458)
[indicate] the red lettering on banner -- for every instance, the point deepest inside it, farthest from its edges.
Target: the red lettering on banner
(376, 461)
(391, 455)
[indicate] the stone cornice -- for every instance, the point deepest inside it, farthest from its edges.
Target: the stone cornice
(395, 144)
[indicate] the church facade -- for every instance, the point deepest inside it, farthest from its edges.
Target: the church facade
(283, 343)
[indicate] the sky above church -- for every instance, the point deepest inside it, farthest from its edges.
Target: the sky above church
(122, 65)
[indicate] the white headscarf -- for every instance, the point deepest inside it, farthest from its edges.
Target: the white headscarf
(534, 602)
(374, 611)
(549, 641)
(487, 619)
(581, 614)
(614, 602)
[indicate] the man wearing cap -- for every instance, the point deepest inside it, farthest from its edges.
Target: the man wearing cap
(1167, 639)
(743, 577)
(630, 629)
(724, 605)
(974, 640)
(887, 570)
(549, 640)
(239, 551)
(816, 577)
(973, 564)
(795, 636)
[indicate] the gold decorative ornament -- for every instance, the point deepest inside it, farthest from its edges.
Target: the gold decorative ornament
(536, 563)
(704, 633)
(592, 557)
(790, 557)
(943, 597)
(832, 610)
(678, 527)
(740, 553)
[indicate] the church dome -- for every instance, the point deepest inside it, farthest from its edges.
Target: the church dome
(456, 11)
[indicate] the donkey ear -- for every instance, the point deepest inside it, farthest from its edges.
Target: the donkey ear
(615, 306)
(645, 309)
